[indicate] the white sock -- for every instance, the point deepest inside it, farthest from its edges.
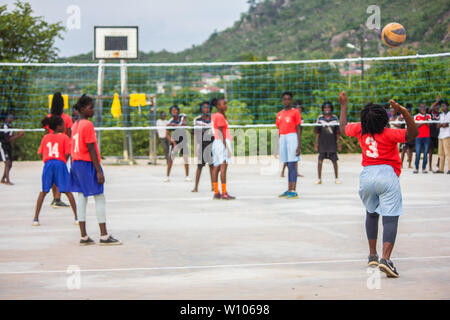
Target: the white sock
(105, 237)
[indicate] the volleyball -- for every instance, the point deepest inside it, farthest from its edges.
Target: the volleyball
(393, 34)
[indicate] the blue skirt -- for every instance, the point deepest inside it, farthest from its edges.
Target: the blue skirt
(55, 172)
(83, 178)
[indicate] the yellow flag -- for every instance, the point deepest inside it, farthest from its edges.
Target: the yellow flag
(116, 110)
(138, 99)
(65, 98)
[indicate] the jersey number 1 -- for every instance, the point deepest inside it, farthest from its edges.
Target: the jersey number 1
(77, 146)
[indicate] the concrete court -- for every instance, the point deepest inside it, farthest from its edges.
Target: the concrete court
(180, 245)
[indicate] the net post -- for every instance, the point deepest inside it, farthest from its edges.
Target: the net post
(153, 133)
(126, 123)
(99, 102)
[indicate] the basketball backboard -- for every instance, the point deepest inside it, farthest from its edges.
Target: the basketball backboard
(115, 42)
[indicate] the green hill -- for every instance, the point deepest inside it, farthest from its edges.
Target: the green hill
(299, 29)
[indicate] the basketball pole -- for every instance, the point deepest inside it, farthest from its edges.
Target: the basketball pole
(99, 102)
(127, 151)
(153, 134)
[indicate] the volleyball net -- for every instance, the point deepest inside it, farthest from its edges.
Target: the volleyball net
(132, 95)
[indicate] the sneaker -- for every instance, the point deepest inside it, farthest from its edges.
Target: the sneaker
(337, 181)
(319, 181)
(110, 242)
(217, 196)
(438, 171)
(284, 194)
(76, 222)
(424, 171)
(87, 242)
(187, 179)
(448, 172)
(373, 260)
(292, 195)
(166, 179)
(416, 171)
(226, 196)
(388, 268)
(36, 223)
(59, 204)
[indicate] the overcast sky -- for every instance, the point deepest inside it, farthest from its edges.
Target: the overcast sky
(163, 24)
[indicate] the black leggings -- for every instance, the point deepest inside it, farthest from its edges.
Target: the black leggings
(390, 225)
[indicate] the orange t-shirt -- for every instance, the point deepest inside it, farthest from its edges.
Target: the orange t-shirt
(288, 120)
(83, 133)
(218, 120)
(381, 148)
(54, 146)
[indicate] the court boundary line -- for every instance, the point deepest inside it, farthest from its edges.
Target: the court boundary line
(223, 266)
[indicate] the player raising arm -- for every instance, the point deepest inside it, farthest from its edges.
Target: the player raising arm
(379, 187)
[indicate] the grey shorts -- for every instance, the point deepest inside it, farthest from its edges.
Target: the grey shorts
(379, 190)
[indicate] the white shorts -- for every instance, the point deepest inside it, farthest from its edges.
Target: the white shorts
(220, 152)
(288, 148)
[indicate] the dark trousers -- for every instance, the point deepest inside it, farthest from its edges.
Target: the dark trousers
(422, 144)
(165, 144)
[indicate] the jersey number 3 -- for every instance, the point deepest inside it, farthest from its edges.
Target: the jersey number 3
(372, 150)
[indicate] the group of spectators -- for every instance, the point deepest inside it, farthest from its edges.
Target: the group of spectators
(431, 136)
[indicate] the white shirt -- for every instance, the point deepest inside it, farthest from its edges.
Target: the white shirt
(444, 132)
(161, 123)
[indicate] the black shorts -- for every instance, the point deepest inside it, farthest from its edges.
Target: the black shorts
(328, 155)
(411, 144)
(205, 154)
(5, 151)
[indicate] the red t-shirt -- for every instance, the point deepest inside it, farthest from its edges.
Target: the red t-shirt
(380, 149)
(287, 120)
(83, 133)
(424, 131)
(67, 122)
(218, 120)
(54, 146)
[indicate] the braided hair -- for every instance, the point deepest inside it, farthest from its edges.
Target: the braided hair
(57, 104)
(374, 119)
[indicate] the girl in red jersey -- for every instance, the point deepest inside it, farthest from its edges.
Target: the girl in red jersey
(55, 148)
(57, 109)
(423, 139)
(288, 122)
(379, 184)
(86, 174)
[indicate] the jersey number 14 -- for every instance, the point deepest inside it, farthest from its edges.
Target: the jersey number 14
(53, 151)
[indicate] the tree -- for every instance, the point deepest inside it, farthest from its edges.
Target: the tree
(24, 38)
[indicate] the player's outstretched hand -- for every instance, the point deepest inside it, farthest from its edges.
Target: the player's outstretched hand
(396, 106)
(343, 100)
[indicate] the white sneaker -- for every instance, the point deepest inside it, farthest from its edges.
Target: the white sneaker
(36, 223)
(319, 181)
(337, 181)
(187, 179)
(77, 223)
(166, 179)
